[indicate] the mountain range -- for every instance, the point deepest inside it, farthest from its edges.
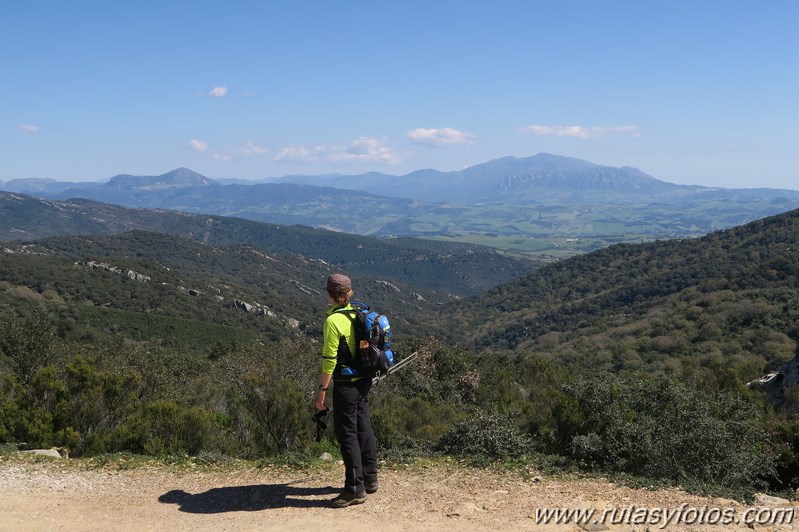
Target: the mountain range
(544, 204)
(541, 178)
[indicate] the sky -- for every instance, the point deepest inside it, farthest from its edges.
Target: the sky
(690, 92)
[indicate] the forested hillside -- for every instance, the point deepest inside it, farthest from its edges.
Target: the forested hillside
(458, 268)
(728, 297)
(180, 292)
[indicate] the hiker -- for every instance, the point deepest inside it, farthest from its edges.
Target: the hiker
(351, 421)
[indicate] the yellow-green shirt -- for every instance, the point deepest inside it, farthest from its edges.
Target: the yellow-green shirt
(337, 324)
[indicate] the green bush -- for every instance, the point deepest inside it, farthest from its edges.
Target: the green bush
(783, 436)
(278, 411)
(20, 421)
(532, 390)
(488, 437)
(439, 373)
(94, 403)
(9, 408)
(660, 428)
(26, 343)
(164, 428)
(401, 422)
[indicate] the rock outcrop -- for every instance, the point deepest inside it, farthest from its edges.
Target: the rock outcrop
(775, 384)
(130, 274)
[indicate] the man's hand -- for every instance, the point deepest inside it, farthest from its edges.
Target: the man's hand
(319, 404)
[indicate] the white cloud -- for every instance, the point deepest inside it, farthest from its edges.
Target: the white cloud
(363, 149)
(218, 92)
(366, 149)
(29, 128)
(582, 132)
(250, 149)
(298, 154)
(440, 137)
(198, 145)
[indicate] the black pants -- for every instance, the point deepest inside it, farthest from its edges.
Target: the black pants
(354, 433)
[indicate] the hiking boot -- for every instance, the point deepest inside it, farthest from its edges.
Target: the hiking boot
(348, 498)
(371, 487)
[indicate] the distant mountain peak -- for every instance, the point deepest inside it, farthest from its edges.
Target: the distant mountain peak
(177, 178)
(551, 160)
(27, 184)
(184, 174)
(498, 169)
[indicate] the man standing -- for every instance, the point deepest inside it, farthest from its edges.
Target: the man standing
(351, 421)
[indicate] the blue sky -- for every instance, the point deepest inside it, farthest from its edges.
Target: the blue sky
(699, 92)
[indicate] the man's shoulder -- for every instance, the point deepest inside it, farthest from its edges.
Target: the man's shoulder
(340, 315)
(346, 310)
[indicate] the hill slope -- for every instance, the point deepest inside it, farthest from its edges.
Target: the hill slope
(730, 296)
(458, 268)
(162, 288)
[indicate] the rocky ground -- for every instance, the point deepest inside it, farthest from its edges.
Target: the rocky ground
(49, 494)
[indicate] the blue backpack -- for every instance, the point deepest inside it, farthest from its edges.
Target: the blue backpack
(373, 342)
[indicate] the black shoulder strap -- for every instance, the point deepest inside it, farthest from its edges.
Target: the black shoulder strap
(344, 356)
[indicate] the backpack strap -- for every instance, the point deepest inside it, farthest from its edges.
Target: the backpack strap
(343, 355)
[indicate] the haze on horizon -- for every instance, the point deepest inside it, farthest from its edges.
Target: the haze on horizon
(690, 93)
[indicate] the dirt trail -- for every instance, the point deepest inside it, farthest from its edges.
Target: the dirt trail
(46, 496)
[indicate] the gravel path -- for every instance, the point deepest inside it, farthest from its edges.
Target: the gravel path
(56, 495)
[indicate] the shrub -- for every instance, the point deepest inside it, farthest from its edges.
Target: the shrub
(439, 373)
(18, 422)
(280, 412)
(27, 344)
(487, 437)
(401, 423)
(660, 428)
(164, 428)
(94, 403)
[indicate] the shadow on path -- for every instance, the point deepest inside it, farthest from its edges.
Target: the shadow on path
(249, 498)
